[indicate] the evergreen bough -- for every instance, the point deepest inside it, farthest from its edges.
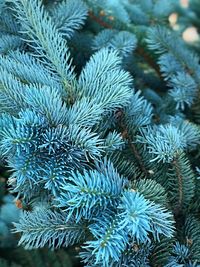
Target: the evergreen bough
(99, 126)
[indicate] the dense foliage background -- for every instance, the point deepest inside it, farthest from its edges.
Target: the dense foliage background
(99, 133)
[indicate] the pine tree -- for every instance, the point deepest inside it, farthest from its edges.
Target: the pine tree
(99, 127)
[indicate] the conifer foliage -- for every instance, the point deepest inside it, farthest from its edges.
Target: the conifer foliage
(99, 127)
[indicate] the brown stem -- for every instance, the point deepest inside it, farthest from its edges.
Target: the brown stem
(99, 21)
(180, 182)
(138, 158)
(137, 155)
(140, 51)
